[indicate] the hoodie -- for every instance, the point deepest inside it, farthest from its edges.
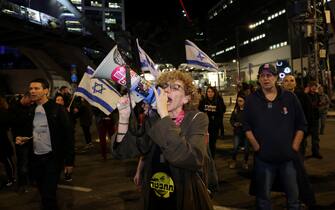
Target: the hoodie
(274, 124)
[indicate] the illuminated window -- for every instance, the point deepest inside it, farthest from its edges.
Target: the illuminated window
(257, 37)
(75, 29)
(219, 52)
(114, 5)
(220, 7)
(281, 12)
(67, 14)
(278, 45)
(96, 4)
(72, 22)
(230, 48)
(76, 1)
(254, 25)
(110, 20)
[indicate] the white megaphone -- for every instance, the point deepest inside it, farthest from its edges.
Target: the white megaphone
(113, 67)
(110, 62)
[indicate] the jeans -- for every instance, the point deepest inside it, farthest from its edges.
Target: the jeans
(105, 127)
(23, 164)
(213, 135)
(46, 171)
(87, 133)
(266, 173)
(237, 141)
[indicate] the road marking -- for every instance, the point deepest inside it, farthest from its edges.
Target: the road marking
(75, 188)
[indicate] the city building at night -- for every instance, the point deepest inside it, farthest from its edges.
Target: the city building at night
(55, 39)
(243, 34)
(107, 14)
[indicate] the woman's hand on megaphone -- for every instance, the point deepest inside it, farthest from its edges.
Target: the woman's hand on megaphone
(161, 100)
(124, 108)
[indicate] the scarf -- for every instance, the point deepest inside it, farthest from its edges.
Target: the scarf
(180, 117)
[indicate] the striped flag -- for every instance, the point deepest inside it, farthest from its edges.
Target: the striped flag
(146, 63)
(196, 57)
(98, 92)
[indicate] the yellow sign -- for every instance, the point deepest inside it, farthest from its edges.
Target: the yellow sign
(162, 184)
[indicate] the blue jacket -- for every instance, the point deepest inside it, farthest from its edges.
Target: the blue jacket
(274, 124)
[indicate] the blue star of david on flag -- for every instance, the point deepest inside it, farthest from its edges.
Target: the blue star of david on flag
(197, 58)
(98, 92)
(98, 88)
(201, 56)
(146, 62)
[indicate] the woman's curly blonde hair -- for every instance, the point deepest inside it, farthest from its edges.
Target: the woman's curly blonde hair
(189, 87)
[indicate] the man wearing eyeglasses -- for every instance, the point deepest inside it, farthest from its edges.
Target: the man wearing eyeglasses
(274, 125)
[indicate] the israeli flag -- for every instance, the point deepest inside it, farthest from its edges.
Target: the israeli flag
(146, 63)
(98, 92)
(196, 57)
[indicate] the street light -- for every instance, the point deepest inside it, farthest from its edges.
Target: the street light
(238, 54)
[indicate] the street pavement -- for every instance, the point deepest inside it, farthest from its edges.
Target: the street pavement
(107, 185)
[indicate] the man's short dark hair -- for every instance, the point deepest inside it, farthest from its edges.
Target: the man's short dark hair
(312, 83)
(63, 87)
(267, 67)
(44, 82)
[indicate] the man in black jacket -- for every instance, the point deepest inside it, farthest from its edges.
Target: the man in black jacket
(290, 84)
(315, 116)
(53, 142)
(274, 125)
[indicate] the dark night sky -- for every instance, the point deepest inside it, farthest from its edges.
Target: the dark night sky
(159, 24)
(156, 10)
(161, 27)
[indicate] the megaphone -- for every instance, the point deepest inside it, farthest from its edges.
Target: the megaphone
(114, 68)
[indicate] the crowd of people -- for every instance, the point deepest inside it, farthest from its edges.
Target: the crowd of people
(37, 138)
(175, 141)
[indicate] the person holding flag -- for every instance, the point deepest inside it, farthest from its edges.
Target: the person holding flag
(101, 94)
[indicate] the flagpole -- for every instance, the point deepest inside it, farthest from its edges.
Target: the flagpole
(218, 81)
(72, 99)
